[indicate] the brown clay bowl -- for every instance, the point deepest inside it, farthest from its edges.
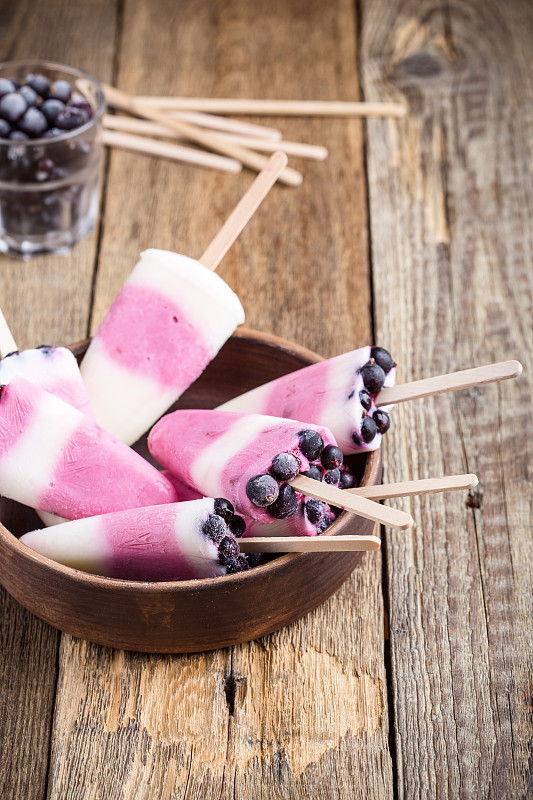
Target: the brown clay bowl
(187, 616)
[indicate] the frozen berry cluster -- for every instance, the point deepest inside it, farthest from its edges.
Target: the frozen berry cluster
(374, 373)
(37, 108)
(271, 490)
(223, 527)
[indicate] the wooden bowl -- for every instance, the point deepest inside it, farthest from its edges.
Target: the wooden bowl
(187, 616)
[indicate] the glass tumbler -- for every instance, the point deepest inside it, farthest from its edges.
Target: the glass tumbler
(49, 185)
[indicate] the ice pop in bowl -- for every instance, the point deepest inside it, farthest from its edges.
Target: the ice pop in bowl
(189, 615)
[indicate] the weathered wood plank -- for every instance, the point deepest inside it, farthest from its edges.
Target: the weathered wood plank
(452, 250)
(304, 712)
(44, 300)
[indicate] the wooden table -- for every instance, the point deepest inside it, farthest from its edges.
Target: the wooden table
(414, 680)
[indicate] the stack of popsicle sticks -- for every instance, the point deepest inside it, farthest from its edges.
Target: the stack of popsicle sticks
(234, 143)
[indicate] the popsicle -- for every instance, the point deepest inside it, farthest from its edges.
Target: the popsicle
(54, 369)
(338, 393)
(175, 541)
(55, 458)
(168, 321)
(260, 463)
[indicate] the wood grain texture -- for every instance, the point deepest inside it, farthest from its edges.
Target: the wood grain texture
(451, 252)
(303, 712)
(44, 300)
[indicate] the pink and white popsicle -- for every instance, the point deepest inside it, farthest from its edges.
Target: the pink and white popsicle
(54, 369)
(247, 458)
(167, 323)
(338, 393)
(175, 541)
(55, 458)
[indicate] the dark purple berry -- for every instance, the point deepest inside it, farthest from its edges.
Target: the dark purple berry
(314, 472)
(214, 527)
(62, 90)
(286, 504)
(311, 443)
(39, 84)
(51, 132)
(262, 490)
(6, 86)
(237, 526)
(5, 129)
(12, 106)
(382, 420)
(365, 399)
(228, 552)
(314, 510)
(347, 480)
(383, 359)
(368, 429)
(253, 559)
(285, 466)
(29, 95)
(18, 136)
(239, 564)
(51, 109)
(69, 118)
(84, 106)
(224, 509)
(33, 123)
(373, 377)
(332, 477)
(331, 456)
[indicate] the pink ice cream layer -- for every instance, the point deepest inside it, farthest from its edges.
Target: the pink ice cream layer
(160, 543)
(217, 453)
(325, 393)
(54, 458)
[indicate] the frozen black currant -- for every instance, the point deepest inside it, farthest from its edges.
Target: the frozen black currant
(18, 136)
(262, 490)
(228, 552)
(314, 510)
(368, 429)
(237, 526)
(382, 420)
(347, 479)
(311, 443)
(365, 400)
(12, 106)
(214, 527)
(383, 359)
(373, 377)
(69, 118)
(286, 504)
(82, 105)
(6, 86)
(224, 509)
(314, 472)
(39, 83)
(29, 95)
(51, 109)
(62, 90)
(331, 456)
(5, 128)
(285, 466)
(238, 564)
(332, 477)
(33, 122)
(253, 559)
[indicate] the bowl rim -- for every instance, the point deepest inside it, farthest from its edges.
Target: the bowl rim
(19, 549)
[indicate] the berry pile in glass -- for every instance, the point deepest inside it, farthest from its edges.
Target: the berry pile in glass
(50, 152)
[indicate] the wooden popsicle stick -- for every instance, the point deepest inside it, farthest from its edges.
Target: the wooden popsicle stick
(361, 506)
(439, 384)
(307, 544)
(226, 125)
(289, 108)
(7, 342)
(448, 483)
(212, 141)
(146, 127)
(243, 211)
(174, 152)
